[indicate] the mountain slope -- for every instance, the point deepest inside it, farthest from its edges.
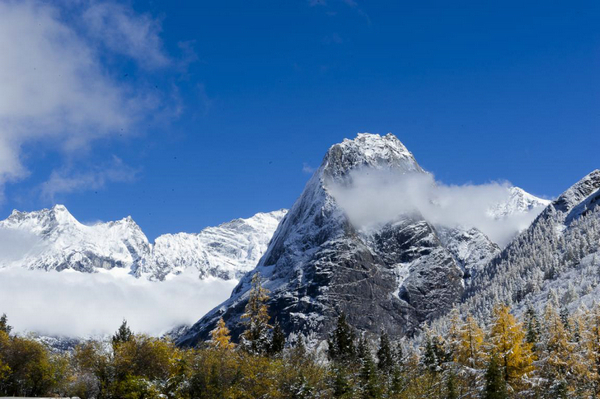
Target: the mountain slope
(558, 255)
(392, 277)
(52, 239)
(227, 251)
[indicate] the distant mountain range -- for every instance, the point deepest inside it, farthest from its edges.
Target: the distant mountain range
(52, 239)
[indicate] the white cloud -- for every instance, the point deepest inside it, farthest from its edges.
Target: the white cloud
(56, 91)
(66, 181)
(15, 244)
(378, 197)
(77, 304)
(306, 168)
(125, 32)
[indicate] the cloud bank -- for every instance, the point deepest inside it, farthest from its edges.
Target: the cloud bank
(377, 197)
(75, 304)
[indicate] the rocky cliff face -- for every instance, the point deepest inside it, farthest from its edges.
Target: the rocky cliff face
(318, 264)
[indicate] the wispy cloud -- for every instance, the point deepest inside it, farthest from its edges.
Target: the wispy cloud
(378, 197)
(58, 93)
(332, 4)
(123, 31)
(306, 168)
(66, 181)
(334, 38)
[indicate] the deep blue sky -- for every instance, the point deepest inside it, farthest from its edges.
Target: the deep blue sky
(477, 91)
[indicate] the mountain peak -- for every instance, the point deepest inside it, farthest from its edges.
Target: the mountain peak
(369, 150)
(578, 192)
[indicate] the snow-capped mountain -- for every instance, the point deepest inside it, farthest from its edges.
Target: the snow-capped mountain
(52, 239)
(519, 201)
(227, 251)
(61, 242)
(393, 277)
(557, 256)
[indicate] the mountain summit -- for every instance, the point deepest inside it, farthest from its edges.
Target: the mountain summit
(318, 264)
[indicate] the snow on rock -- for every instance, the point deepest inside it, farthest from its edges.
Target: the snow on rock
(227, 251)
(61, 242)
(318, 264)
(519, 201)
(52, 239)
(555, 258)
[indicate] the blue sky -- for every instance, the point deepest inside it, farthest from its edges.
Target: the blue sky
(191, 113)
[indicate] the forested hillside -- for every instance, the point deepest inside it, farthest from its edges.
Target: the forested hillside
(548, 355)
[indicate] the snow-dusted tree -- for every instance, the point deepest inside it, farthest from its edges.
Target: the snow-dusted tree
(340, 343)
(557, 364)
(385, 357)
(256, 338)
(532, 326)
(220, 336)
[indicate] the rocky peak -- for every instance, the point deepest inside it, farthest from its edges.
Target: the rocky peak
(368, 150)
(577, 193)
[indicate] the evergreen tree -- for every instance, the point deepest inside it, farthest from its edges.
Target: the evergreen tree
(495, 384)
(532, 326)
(385, 358)
(123, 334)
(220, 336)
(255, 339)
(341, 342)
(368, 375)
(4, 324)
(451, 392)
(277, 341)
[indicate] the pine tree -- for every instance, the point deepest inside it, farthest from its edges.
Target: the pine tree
(4, 324)
(277, 341)
(123, 334)
(255, 339)
(532, 326)
(451, 392)
(371, 388)
(220, 336)
(341, 342)
(495, 384)
(385, 359)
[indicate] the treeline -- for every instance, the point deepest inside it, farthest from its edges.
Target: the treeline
(548, 355)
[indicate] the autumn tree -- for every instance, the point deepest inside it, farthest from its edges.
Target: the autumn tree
(220, 336)
(507, 339)
(256, 338)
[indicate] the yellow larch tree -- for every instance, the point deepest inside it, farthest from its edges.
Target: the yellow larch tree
(507, 338)
(220, 336)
